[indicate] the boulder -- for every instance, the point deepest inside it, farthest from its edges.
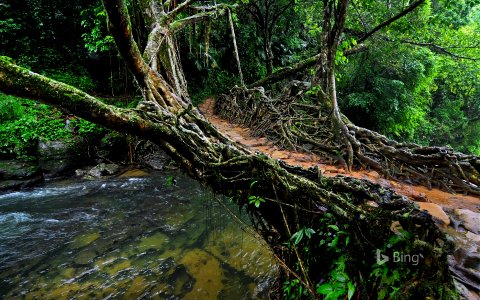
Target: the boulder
(58, 158)
(103, 170)
(10, 184)
(469, 219)
(435, 211)
(17, 174)
(17, 169)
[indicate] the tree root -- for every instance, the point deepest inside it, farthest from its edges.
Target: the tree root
(293, 124)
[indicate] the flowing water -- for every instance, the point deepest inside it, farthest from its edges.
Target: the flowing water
(128, 238)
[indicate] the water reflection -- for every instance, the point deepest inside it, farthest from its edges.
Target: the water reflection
(127, 238)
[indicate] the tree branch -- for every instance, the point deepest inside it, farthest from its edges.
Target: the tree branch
(403, 13)
(439, 49)
(24, 83)
(360, 17)
(180, 24)
(283, 73)
(121, 30)
(280, 12)
(181, 7)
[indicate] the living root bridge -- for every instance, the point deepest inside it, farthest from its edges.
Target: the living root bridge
(291, 122)
(295, 198)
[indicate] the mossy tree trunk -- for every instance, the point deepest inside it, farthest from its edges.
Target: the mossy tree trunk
(294, 198)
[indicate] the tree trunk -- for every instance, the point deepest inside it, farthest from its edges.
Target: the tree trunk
(267, 46)
(294, 198)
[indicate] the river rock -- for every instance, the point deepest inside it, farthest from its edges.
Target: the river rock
(469, 219)
(58, 158)
(17, 174)
(103, 170)
(435, 211)
(17, 169)
(10, 184)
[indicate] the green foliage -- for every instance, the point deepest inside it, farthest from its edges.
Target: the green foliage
(390, 277)
(23, 122)
(389, 90)
(339, 285)
(298, 236)
(252, 199)
(453, 119)
(80, 79)
(94, 20)
(170, 180)
(10, 108)
(217, 82)
(255, 200)
(292, 289)
(329, 241)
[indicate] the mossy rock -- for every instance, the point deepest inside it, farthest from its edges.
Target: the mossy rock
(84, 240)
(206, 271)
(17, 169)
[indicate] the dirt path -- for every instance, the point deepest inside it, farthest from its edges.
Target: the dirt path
(420, 194)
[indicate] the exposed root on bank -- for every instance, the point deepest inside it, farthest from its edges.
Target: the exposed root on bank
(292, 123)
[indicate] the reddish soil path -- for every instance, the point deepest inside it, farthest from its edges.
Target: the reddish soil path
(420, 194)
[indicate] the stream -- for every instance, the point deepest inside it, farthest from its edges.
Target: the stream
(159, 236)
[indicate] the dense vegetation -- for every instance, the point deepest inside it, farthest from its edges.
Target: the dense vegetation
(414, 78)
(417, 80)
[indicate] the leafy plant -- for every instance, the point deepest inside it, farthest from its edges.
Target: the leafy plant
(339, 284)
(80, 80)
(256, 200)
(292, 289)
(298, 236)
(94, 20)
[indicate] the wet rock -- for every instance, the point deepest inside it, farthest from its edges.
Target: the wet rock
(17, 170)
(84, 240)
(6, 185)
(473, 237)
(103, 170)
(58, 158)
(137, 287)
(156, 241)
(469, 219)
(207, 273)
(157, 161)
(472, 261)
(82, 172)
(435, 211)
(85, 257)
(464, 292)
(152, 156)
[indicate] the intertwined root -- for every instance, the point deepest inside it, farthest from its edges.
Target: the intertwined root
(291, 122)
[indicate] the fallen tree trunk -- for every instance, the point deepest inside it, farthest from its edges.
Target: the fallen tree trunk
(346, 222)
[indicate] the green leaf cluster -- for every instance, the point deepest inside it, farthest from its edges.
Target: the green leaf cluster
(24, 122)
